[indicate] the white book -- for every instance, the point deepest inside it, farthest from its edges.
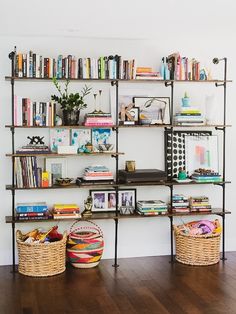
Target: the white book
(37, 65)
(19, 111)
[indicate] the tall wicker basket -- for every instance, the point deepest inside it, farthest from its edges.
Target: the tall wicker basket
(199, 250)
(41, 259)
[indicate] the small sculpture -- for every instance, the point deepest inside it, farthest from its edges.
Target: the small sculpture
(88, 204)
(36, 140)
(58, 120)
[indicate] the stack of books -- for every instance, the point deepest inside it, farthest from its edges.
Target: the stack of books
(146, 73)
(66, 211)
(151, 207)
(189, 116)
(34, 148)
(205, 176)
(32, 211)
(97, 173)
(180, 203)
(98, 118)
(199, 204)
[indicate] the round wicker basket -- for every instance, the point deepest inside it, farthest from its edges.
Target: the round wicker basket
(41, 259)
(199, 250)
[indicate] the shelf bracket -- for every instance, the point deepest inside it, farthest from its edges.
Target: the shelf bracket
(219, 84)
(217, 128)
(168, 83)
(114, 83)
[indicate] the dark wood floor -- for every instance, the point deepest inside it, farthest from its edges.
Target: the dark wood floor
(140, 285)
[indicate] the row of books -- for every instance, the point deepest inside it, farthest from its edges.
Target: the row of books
(33, 113)
(184, 68)
(33, 65)
(27, 172)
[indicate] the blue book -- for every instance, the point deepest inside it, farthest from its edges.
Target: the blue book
(38, 207)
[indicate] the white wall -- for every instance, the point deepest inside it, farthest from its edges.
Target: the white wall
(147, 31)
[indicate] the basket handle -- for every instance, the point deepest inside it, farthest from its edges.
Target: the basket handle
(78, 228)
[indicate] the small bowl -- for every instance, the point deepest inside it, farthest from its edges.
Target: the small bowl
(105, 147)
(145, 121)
(64, 181)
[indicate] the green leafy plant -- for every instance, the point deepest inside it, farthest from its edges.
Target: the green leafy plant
(70, 101)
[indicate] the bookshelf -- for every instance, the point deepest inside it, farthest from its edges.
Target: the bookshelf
(115, 216)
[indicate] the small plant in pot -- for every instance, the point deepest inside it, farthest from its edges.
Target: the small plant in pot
(71, 103)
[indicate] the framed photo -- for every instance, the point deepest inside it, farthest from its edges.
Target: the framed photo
(57, 167)
(153, 110)
(105, 200)
(131, 115)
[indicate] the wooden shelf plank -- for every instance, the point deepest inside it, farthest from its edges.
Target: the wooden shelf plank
(113, 184)
(122, 126)
(64, 155)
(61, 127)
(112, 215)
(8, 78)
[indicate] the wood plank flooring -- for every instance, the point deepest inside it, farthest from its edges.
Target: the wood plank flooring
(140, 285)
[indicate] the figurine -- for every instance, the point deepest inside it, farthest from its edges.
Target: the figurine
(36, 140)
(58, 120)
(88, 204)
(182, 175)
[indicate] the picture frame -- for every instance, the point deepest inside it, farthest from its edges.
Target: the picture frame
(57, 167)
(153, 110)
(201, 152)
(100, 137)
(105, 200)
(132, 116)
(80, 137)
(175, 150)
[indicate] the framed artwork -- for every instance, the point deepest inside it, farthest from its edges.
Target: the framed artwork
(100, 137)
(201, 152)
(59, 137)
(57, 167)
(105, 200)
(80, 137)
(178, 160)
(153, 110)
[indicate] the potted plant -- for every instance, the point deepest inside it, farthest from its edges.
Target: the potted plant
(71, 103)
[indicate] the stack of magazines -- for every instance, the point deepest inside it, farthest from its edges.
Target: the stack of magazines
(151, 207)
(97, 173)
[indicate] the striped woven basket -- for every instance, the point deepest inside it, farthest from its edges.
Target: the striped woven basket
(85, 245)
(199, 250)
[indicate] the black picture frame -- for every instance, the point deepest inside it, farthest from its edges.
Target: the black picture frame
(105, 200)
(153, 110)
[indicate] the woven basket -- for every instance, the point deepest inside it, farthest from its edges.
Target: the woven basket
(85, 245)
(41, 259)
(201, 250)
